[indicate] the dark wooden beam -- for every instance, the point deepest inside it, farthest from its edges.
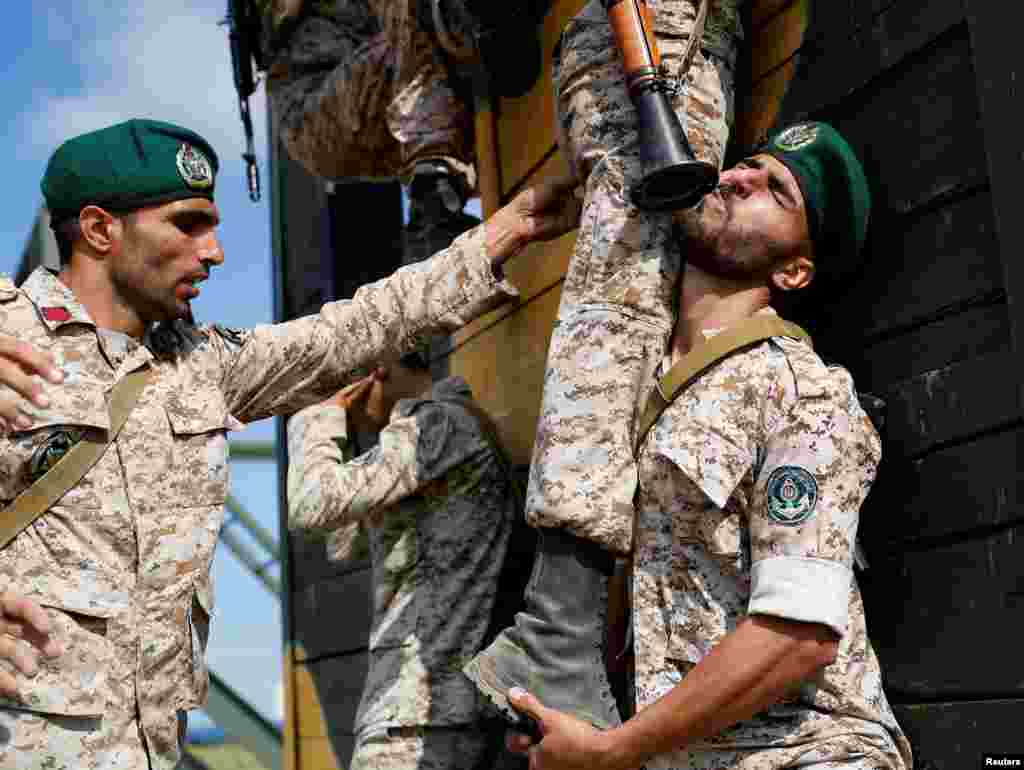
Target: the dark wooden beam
(999, 66)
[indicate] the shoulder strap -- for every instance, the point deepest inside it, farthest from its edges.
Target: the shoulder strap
(72, 467)
(704, 356)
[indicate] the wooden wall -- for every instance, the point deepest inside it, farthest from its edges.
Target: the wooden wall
(924, 90)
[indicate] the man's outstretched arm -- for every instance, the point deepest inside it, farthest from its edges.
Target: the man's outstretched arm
(281, 368)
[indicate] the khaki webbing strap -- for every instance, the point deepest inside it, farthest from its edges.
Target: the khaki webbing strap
(706, 355)
(696, 36)
(72, 467)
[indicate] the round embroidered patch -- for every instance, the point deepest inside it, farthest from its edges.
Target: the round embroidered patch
(796, 137)
(792, 494)
(194, 167)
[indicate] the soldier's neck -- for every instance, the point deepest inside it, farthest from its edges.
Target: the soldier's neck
(94, 290)
(710, 302)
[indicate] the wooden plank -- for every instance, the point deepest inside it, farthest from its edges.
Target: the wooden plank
(951, 404)
(999, 64)
(898, 362)
(954, 736)
(945, 621)
(914, 267)
(311, 565)
(779, 39)
(328, 695)
(318, 754)
(505, 367)
(526, 125)
(963, 488)
(534, 270)
(762, 11)
(838, 59)
(350, 594)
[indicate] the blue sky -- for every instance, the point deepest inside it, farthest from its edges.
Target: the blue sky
(75, 65)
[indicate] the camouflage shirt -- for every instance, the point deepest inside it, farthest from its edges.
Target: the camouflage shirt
(440, 507)
(122, 561)
(751, 484)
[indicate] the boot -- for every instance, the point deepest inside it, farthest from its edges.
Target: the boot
(555, 650)
(436, 199)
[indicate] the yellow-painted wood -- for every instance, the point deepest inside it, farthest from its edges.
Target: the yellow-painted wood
(289, 736)
(534, 270)
(317, 754)
(308, 708)
(526, 126)
(763, 10)
(505, 367)
(778, 40)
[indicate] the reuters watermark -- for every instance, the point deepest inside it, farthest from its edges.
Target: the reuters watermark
(1002, 760)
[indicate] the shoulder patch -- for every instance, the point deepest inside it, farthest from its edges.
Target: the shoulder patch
(791, 495)
(8, 291)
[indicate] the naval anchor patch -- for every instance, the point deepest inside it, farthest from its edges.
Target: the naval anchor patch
(194, 167)
(792, 494)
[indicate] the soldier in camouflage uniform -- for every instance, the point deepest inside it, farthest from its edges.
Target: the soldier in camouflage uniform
(121, 563)
(614, 320)
(751, 644)
(436, 497)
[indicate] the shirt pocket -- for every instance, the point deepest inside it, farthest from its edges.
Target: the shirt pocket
(25, 456)
(74, 683)
(199, 473)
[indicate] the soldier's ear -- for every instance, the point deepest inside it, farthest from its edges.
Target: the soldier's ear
(793, 274)
(101, 231)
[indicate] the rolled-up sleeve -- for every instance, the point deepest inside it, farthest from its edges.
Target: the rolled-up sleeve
(818, 465)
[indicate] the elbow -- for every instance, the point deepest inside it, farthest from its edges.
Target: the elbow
(820, 650)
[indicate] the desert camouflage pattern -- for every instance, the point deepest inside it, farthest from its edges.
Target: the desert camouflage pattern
(440, 507)
(434, 748)
(617, 306)
(122, 561)
(360, 89)
(712, 548)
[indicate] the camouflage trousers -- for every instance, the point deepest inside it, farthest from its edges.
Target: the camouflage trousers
(360, 90)
(33, 741)
(617, 306)
(434, 748)
(842, 752)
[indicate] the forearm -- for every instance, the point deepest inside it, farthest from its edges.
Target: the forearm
(326, 490)
(752, 668)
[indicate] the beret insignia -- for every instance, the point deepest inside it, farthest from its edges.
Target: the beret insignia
(796, 137)
(791, 495)
(194, 167)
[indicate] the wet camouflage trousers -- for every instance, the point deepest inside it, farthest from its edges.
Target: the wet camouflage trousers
(435, 748)
(617, 306)
(360, 90)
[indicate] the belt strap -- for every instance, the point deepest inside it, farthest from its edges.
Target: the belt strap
(72, 467)
(704, 356)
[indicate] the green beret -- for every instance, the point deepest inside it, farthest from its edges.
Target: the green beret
(127, 166)
(836, 194)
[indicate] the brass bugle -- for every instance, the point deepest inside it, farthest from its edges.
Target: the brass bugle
(673, 178)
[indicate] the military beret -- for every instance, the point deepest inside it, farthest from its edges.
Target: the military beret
(127, 166)
(836, 194)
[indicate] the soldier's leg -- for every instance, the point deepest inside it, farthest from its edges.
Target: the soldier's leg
(431, 748)
(614, 321)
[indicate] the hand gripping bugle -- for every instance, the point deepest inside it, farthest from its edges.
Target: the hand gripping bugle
(673, 178)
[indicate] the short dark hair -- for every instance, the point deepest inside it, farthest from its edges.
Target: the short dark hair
(68, 230)
(416, 360)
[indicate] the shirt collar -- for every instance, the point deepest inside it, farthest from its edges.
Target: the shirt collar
(54, 300)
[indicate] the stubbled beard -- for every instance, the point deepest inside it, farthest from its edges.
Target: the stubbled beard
(750, 259)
